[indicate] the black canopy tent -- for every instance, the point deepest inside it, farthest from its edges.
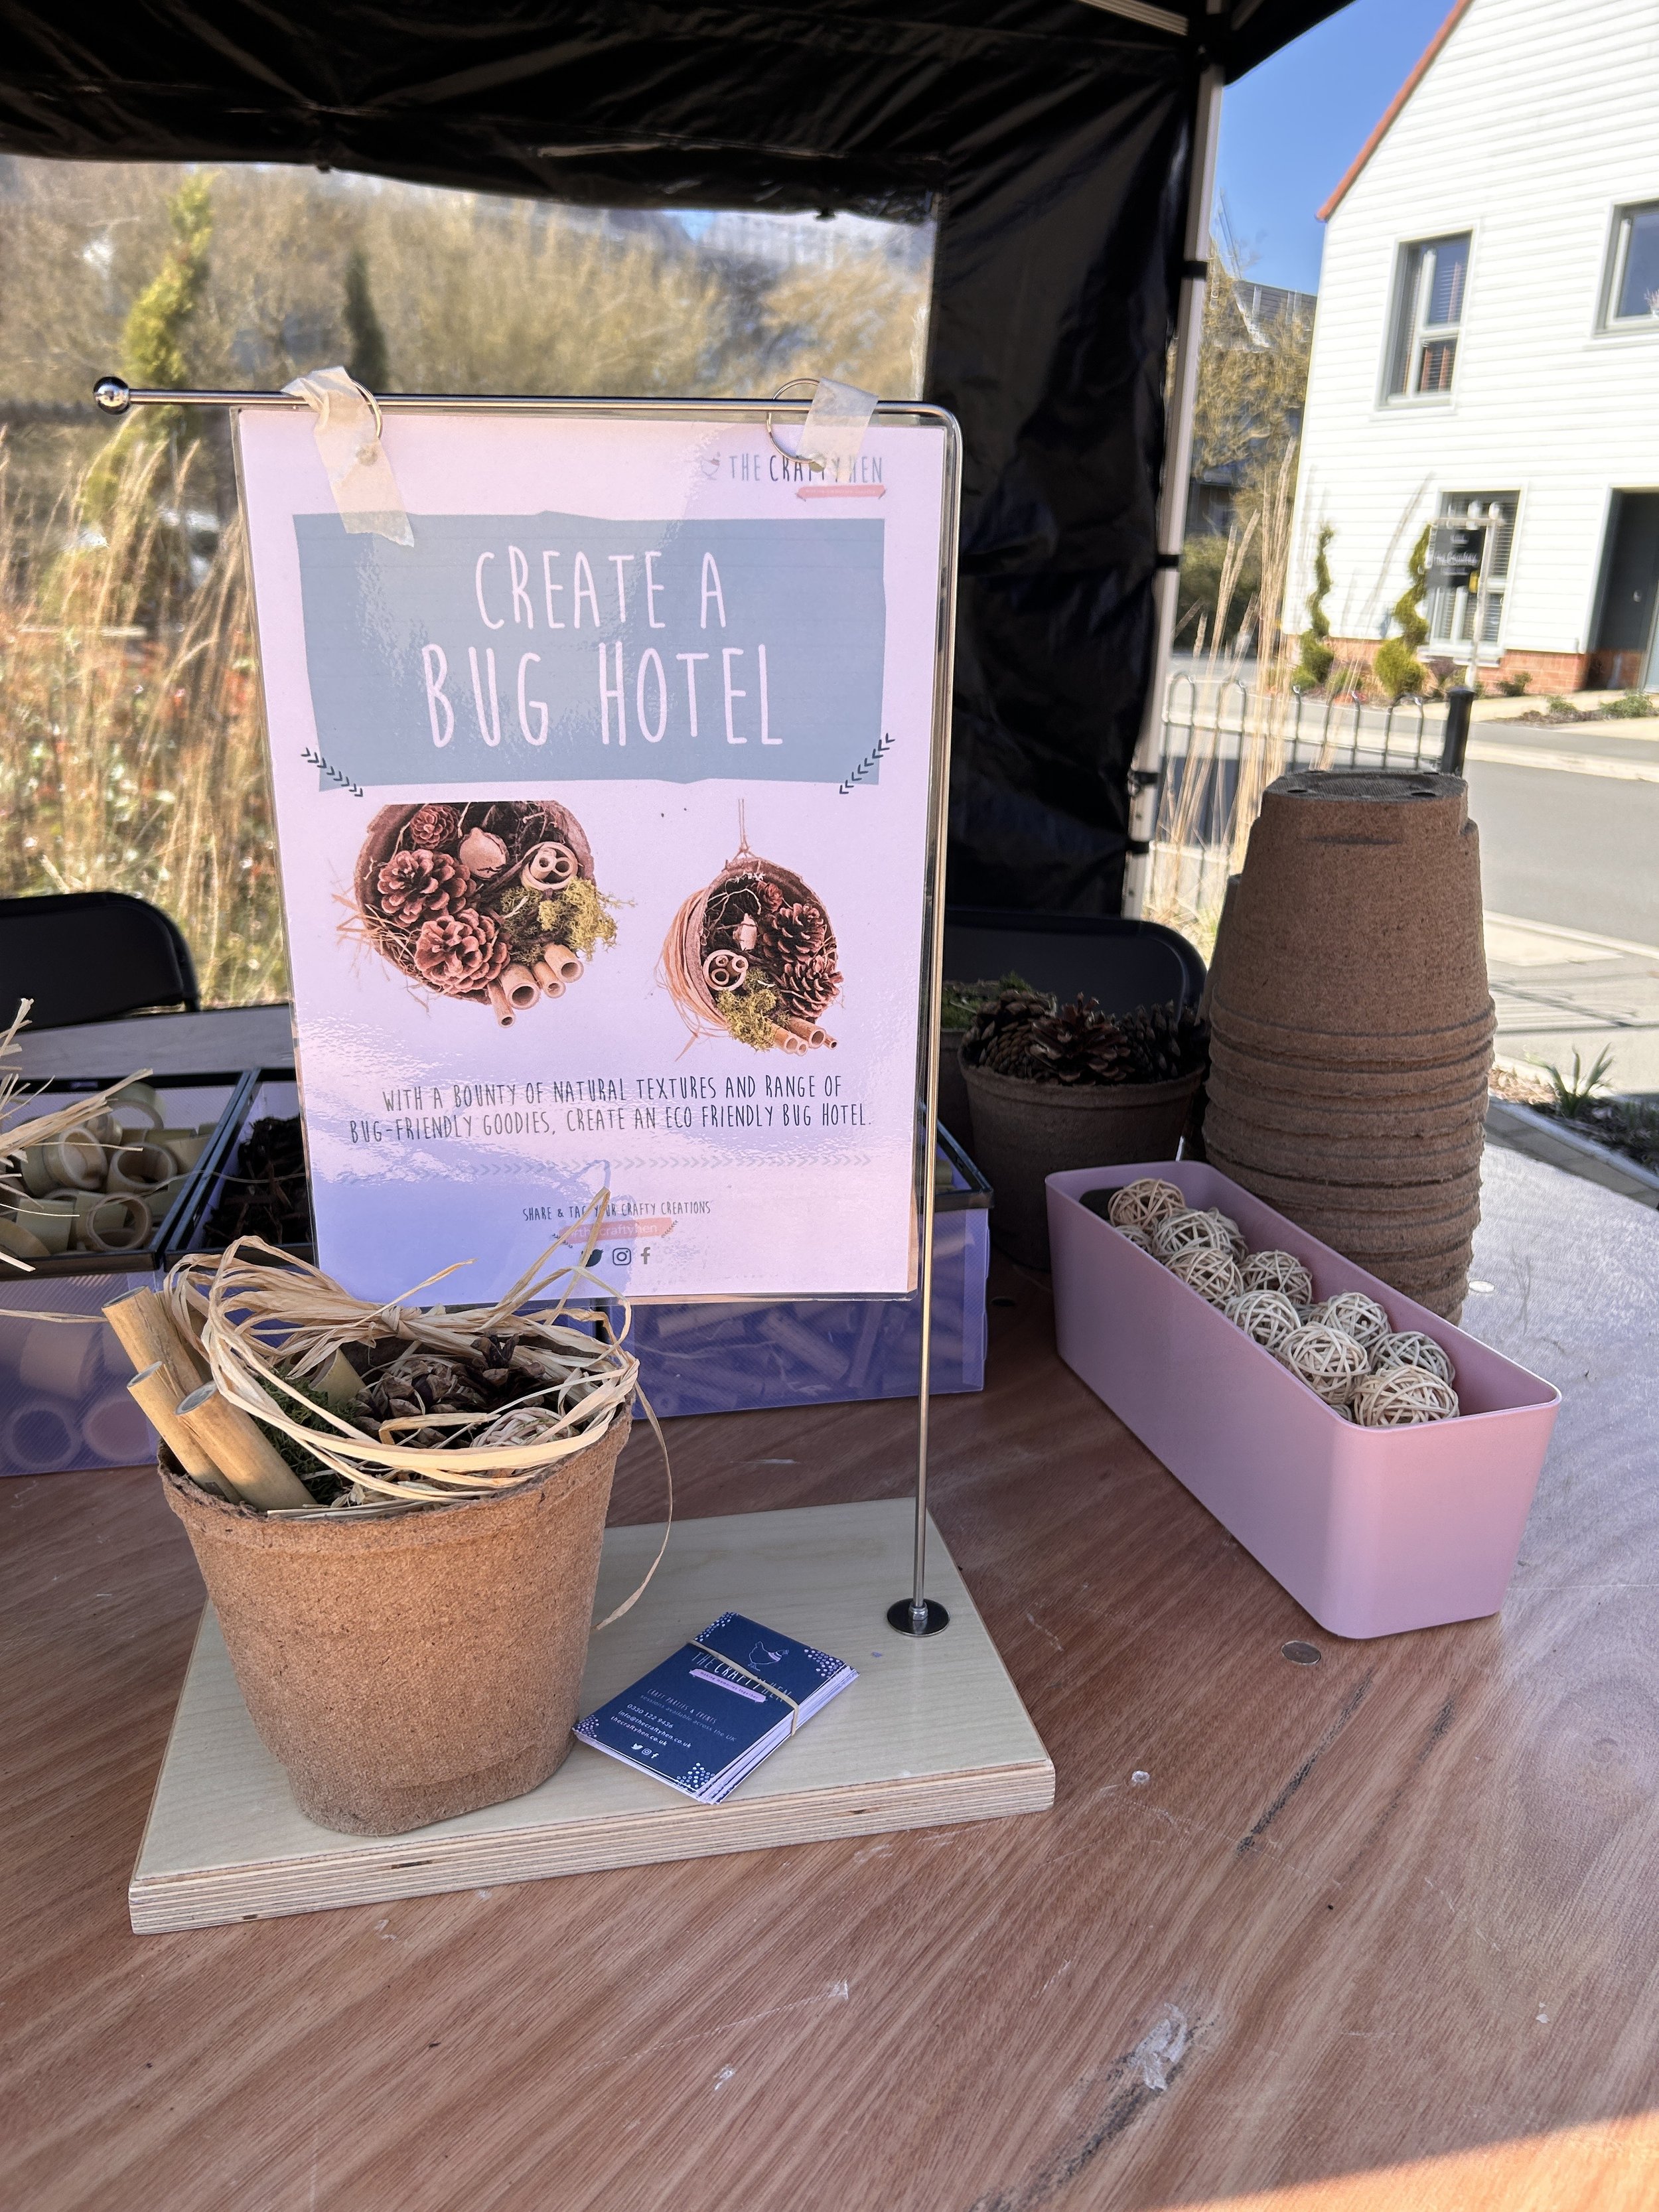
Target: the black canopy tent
(1051, 141)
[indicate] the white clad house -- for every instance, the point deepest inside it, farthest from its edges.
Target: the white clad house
(1487, 343)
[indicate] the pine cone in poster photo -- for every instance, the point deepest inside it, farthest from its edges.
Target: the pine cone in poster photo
(490, 900)
(752, 955)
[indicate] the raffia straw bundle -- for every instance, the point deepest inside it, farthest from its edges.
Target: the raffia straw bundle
(257, 1306)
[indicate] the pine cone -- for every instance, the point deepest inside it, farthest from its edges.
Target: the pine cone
(800, 932)
(461, 953)
(1079, 1044)
(414, 886)
(1011, 1054)
(492, 1357)
(433, 826)
(1164, 1043)
(806, 987)
(1009, 1012)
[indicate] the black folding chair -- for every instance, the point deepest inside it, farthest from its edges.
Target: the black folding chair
(89, 957)
(1123, 963)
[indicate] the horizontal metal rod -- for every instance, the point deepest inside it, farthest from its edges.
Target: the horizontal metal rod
(115, 398)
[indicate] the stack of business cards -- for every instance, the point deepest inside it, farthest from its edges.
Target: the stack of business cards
(709, 1716)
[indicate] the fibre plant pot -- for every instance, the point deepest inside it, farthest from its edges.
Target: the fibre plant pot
(955, 1108)
(1427, 1200)
(407, 1669)
(1334, 1118)
(1374, 1531)
(1024, 1132)
(1297, 1081)
(1441, 1049)
(1358, 908)
(1335, 1155)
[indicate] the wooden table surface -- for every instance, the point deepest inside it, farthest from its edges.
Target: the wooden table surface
(1374, 1933)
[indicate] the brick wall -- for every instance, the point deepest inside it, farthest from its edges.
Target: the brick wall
(1550, 672)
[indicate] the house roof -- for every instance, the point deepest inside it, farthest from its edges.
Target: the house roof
(1460, 9)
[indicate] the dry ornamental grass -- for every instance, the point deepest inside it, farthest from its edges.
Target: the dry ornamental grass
(132, 757)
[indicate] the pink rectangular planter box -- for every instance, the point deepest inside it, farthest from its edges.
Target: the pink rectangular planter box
(1372, 1530)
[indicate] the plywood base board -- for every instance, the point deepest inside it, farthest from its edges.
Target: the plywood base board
(931, 1732)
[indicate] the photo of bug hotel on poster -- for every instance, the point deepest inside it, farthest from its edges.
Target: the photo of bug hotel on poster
(602, 809)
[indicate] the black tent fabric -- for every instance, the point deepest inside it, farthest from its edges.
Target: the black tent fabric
(1050, 141)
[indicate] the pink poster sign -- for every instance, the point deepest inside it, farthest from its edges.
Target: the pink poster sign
(603, 810)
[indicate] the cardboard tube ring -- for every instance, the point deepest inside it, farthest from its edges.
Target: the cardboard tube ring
(118, 1223)
(520, 988)
(139, 1098)
(563, 961)
(723, 970)
(138, 1167)
(50, 1219)
(548, 867)
(74, 1159)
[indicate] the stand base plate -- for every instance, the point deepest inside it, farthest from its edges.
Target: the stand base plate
(932, 1733)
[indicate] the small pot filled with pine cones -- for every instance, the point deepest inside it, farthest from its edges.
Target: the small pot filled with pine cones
(752, 955)
(1056, 1086)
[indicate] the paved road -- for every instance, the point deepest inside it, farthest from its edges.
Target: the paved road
(1561, 843)
(1572, 843)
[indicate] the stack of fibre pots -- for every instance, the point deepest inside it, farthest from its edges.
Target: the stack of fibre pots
(1351, 1025)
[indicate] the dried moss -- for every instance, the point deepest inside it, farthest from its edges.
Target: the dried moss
(578, 916)
(748, 1013)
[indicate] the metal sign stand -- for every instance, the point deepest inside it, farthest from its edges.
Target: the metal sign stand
(915, 1615)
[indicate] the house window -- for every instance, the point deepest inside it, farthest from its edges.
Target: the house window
(1454, 616)
(1429, 290)
(1632, 290)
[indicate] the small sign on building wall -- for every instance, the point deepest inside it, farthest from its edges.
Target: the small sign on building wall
(1456, 550)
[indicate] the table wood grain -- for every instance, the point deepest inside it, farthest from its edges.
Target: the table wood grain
(1374, 1933)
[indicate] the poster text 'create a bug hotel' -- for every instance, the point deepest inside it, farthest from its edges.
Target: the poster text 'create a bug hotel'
(602, 811)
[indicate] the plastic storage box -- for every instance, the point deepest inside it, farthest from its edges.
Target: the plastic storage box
(736, 1357)
(191, 1102)
(267, 1093)
(1372, 1530)
(63, 1402)
(707, 1359)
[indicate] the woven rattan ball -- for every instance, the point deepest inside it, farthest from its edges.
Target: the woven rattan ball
(1140, 1203)
(1412, 1349)
(1230, 1229)
(1400, 1397)
(1189, 1232)
(1327, 1359)
(1279, 1271)
(1266, 1316)
(1357, 1317)
(1138, 1237)
(1211, 1272)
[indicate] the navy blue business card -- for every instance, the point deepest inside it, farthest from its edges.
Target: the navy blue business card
(706, 1717)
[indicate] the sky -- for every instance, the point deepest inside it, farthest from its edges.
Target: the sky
(1290, 128)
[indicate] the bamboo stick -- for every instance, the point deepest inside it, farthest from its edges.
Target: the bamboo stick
(158, 1400)
(242, 1455)
(150, 1337)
